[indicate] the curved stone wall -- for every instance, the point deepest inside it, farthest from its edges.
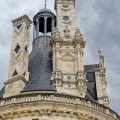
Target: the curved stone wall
(49, 106)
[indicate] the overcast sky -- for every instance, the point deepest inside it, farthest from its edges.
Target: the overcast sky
(99, 22)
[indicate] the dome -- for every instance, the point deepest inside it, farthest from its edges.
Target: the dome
(45, 10)
(44, 22)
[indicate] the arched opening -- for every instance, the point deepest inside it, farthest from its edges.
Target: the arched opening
(41, 25)
(44, 23)
(49, 25)
(44, 26)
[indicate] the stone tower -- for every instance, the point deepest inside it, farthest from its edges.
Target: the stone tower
(67, 46)
(18, 68)
(20, 47)
(101, 83)
(52, 82)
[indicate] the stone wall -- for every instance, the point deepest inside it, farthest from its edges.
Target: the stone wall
(49, 106)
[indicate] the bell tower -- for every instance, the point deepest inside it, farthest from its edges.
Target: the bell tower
(67, 52)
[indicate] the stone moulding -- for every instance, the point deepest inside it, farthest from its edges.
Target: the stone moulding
(16, 78)
(25, 98)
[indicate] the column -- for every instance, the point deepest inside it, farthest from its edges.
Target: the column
(45, 25)
(78, 60)
(33, 31)
(57, 60)
(52, 25)
(37, 31)
(54, 59)
(81, 57)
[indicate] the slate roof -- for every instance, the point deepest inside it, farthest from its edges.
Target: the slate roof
(90, 68)
(90, 76)
(2, 92)
(40, 67)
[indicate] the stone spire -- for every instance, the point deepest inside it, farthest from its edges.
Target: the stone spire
(101, 83)
(101, 58)
(45, 4)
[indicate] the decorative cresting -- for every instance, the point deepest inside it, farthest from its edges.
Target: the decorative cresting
(53, 106)
(101, 83)
(18, 69)
(43, 22)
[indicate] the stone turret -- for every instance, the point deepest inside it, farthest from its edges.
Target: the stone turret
(67, 46)
(18, 68)
(101, 83)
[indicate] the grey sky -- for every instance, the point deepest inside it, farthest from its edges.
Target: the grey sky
(99, 22)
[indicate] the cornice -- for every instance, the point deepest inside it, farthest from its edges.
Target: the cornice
(16, 78)
(57, 99)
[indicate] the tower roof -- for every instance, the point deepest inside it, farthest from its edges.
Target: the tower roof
(40, 67)
(45, 10)
(44, 13)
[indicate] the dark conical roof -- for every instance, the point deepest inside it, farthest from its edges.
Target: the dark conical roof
(40, 66)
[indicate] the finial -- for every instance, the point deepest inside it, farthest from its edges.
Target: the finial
(99, 50)
(101, 58)
(45, 4)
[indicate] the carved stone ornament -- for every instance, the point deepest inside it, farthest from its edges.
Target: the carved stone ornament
(18, 31)
(78, 35)
(80, 74)
(99, 51)
(56, 33)
(68, 57)
(66, 31)
(58, 74)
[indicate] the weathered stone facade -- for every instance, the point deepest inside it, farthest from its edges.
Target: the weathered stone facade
(72, 91)
(101, 81)
(49, 106)
(19, 56)
(67, 46)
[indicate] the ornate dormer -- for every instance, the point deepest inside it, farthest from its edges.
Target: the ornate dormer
(67, 52)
